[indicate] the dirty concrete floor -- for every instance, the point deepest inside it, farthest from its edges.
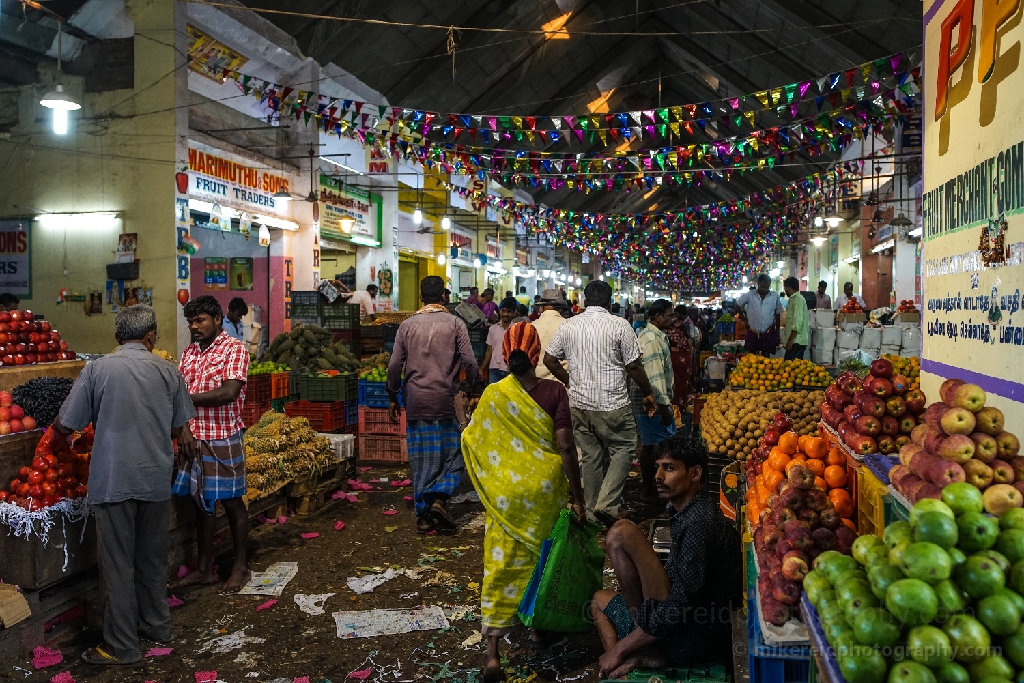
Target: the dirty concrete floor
(297, 645)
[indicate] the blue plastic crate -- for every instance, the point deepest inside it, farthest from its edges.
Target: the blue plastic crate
(773, 664)
(351, 413)
(375, 395)
(819, 642)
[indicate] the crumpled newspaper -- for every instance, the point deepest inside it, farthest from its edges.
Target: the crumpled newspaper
(232, 641)
(312, 604)
(366, 584)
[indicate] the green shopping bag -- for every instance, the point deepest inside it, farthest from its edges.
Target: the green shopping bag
(566, 577)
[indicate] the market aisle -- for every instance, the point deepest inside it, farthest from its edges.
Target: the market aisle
(297, 645)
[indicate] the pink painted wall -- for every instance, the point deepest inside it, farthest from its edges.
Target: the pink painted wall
(272, 307)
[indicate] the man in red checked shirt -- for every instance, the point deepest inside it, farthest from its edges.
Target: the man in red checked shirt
(215, 366)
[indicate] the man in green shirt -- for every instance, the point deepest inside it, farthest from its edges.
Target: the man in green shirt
(794, 334)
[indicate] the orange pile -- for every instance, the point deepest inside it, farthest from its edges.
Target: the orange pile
(828, 465)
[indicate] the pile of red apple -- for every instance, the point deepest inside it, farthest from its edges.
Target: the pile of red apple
(59, 471)
(12, 417)
(798, 525)
(876, 414)
(25, 341)
(961, 439)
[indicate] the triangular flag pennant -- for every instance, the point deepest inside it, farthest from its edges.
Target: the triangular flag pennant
(518, 122)
(635, 115)
(579, 135)
(505, 122)
(603, 134)
(529, 135)
(614, 133)
(879, 65)
(675, 127)
(790, 91)
(556, 122)
(734, 103)
(895, 61)
(677, 112)
(865, 71)
(762, 97)
(850, 75)
(776, 96)
(663, 115)
(804, 87)
(661, 129)
(531, 122)
(750, 117)
(833, 80)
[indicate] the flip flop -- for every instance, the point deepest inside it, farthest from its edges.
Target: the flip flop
(424, 526)
(100, 657)
(441, 518)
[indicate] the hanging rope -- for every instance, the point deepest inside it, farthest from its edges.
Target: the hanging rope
(450, 47)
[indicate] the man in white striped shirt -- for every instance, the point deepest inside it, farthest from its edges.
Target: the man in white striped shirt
(601, 350)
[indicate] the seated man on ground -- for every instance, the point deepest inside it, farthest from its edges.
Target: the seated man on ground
(678, 614)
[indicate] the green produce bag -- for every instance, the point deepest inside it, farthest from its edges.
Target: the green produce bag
(566, 577)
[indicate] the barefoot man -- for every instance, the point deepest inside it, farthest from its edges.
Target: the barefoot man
(215, 366)
(678, 614)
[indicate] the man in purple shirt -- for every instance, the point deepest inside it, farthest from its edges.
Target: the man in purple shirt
(432, 346)
(487, 305)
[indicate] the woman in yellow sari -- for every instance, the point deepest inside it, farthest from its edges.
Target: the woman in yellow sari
(521, 457)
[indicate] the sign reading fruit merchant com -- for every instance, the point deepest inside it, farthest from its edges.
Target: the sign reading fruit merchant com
(973, 255)
(216, 176)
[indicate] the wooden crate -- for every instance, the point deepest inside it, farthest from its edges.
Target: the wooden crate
(58, 614)
(13, 376)
(312, 502)
(16, 451)
(28, 563)
(315, 481)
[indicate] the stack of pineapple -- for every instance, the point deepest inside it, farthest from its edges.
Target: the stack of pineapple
(278, 448)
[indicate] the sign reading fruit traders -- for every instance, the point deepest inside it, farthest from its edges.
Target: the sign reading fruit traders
(220, 178)
(973, 204)
(15, 258)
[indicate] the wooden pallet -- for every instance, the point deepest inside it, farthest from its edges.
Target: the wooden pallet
(315, 481)
(54, 610)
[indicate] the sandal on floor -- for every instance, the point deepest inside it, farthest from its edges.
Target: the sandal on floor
(441, 518)
(101, 657)
(424, 526)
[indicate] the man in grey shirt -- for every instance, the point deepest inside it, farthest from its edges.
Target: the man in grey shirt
(137, 402)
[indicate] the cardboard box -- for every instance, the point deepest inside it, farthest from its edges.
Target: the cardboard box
(909, 353)
(824, 338)
(13, 606)
(912, 339)
(822, 356)
(824, 317)
(871, 338)
(890, 349)
(848, 340)
(892, 336)
(852, 317)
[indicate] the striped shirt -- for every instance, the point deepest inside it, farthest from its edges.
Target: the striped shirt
(658, 366)
(224, 359)
(598, 346)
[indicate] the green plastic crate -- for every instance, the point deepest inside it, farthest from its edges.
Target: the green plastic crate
(318, 389)
(894, 511)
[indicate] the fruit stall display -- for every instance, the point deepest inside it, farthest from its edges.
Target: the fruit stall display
(773, 374)
(59, 470)
(14, 418)
(26, 341)
(732, 421)
(375, 368)
(279, 448)
(794, 519)
(960, 439)
(937, 599)
(312, 347)
(876, 414)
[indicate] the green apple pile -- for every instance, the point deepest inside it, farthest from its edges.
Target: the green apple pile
(960, 439)
(937, 599)
(266, 368)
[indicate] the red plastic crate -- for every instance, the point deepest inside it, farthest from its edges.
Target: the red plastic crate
(251, 412)
(322, 416)
(279, 382)
(258, 389)
(378, 421)
(377, 448)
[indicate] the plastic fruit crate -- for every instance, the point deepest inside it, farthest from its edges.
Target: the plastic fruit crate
(339, 311)
(338, 324)
(344, 445)
(307, 297)
(351, 413)
(375, 395)
(478, 334)
(338, 388)
(258, 389)
(350, 335)
(279, 385)
(378, 421)
(870, 503)
(305, 311)
(252, 412)
(390, 332)
(323, 417)
(379, 448)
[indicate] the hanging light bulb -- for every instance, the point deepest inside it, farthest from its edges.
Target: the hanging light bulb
(440, 259)
(346, 224)
(818, 221)
(264, 236)
(608, 273)
(56, 99)
(446, 223)
(780, 264)
(579, 281)
(818, 240)
(417, 216)
(476, 263)
(745, 279)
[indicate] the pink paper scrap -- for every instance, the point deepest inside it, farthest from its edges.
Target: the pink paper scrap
(399, 484)
(338, 526)
(270, 521)
(352, 498)
(390, 512)
(409, 498)
(312, 534)
(361, 675)
(267, 605)
(365, 469)
(175, 601)
(303, 679)
(375, 481)
(282, 519)
(205, 676)
(63, 677)
(159, 651)
(338, 495)
(182, 571)
(43, 657)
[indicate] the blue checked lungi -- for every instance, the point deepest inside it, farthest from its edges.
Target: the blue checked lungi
(217, 474)
(435, 460)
